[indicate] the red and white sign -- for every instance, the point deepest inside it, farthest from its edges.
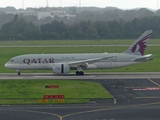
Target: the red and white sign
(153, 88)
(53, 96)
(53, 86)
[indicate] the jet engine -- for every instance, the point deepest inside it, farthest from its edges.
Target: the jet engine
(59, 68)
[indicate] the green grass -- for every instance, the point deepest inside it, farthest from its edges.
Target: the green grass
(29, 91)
(151, 66)
(35, 101)
(73, 42)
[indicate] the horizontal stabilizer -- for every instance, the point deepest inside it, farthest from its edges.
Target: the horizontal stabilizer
(144, 58)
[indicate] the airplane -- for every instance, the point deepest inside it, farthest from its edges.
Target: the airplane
(63, 63)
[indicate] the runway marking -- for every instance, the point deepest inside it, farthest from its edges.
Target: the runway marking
(116, 108)
(146, 89)
(5, 105)
(90, 111)
(148, 97)
(43, 76)
(60, 76)
(39, 112)
(141, 87)
(154, 82)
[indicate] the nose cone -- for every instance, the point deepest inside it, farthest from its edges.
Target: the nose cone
(9, 65)
(6, 65)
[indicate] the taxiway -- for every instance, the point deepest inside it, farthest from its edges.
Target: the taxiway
(136, 98)
(90, 76)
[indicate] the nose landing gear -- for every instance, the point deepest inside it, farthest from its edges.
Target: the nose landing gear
(18, 72)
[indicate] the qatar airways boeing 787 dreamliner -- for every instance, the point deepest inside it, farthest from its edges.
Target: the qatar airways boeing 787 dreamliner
(63, 63)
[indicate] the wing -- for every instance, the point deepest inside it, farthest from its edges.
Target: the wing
(88, 61)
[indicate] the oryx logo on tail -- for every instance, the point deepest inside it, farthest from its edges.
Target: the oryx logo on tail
(141, 45)
(138, 48)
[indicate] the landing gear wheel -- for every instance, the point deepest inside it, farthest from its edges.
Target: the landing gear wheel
(79, 73)
(19, 73)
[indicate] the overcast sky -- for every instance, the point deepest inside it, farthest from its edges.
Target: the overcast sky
(123, 4)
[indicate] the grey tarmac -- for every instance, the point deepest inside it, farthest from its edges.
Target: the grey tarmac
(130, 104)
(120, 75)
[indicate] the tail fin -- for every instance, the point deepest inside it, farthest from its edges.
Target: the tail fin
(139, 46)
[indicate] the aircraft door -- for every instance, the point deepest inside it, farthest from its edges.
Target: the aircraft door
(120, 62)
(114, 62)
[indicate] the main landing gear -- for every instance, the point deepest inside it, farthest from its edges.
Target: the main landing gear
(18, 72)
(79, 73)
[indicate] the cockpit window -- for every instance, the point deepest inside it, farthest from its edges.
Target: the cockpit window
(12, 60)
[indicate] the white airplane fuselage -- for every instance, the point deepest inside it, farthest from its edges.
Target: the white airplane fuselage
(46, 61)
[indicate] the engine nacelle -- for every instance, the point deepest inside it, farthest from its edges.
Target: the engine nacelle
(59, 68)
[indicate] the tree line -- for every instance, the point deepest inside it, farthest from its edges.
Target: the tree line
(81, 14)
(19, 29)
